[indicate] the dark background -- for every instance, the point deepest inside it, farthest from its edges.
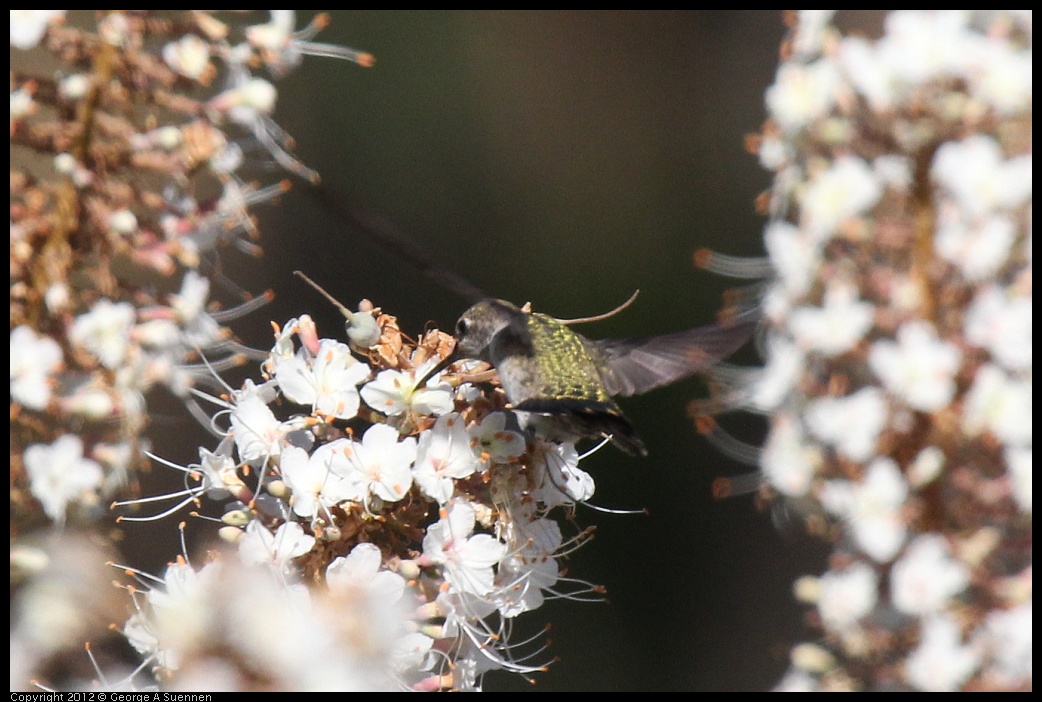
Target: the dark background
(567, 159)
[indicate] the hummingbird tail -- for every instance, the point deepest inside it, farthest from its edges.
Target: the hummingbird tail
(629, 443)
(590, 418)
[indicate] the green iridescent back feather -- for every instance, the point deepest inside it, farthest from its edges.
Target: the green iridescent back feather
(564, 362)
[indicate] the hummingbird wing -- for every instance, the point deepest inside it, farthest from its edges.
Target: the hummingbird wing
(385, 233)
(634, 366)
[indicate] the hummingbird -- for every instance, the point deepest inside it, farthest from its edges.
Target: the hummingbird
(559, 382)
(563, 384)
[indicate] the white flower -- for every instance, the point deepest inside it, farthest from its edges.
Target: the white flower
(1007, 636)
(867, 72)
(258, 545)
(59, 474)
(274, 35)
(105, 331)
(851, 424)
(795, 256)
(463, 614)
(443, 455)
(89, 400)
(779, 376)
(919, 368)
(189, 56)
(157, 333)
(189, 306)
(142, 636)
(328, 382)
(1001, 76)
(559, 479)
(529, 567)
(978, 248)
(802, 93)
(178, 614)
(29, 26)
(277, 42)
(999, 404)
(258, 434)
(789, 462)
(1001, 323)
(847, 189)
(215, 475)
(219, 472)
(410, 651)
(394, 393)
(920, 45)
(34, 359)
(359, 583)
(477, 653)
(281, 48)
(494, 442)
(362, 569)
(846, 596)
(380, 464)
(975, 172)
(257, 616)
(940, 663)
(467, 558)
(872, 507)
(246, 102)
(317, 480)
(924, 579)
(837, 326)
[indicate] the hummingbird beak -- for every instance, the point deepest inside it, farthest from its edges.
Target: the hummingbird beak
(442, 365)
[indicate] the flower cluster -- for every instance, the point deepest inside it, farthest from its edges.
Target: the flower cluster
(128, 180)
(898, 373)
(386, 532)
(131, 136)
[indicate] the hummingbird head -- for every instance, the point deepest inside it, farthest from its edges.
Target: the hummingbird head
(479, 325)
(475, 330)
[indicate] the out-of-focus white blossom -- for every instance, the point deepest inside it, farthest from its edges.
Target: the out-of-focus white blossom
(847, 596)
(34, 360)
(926, 576)
(802, 94)
(29, 26)
(59, 474)
(872, 508)
(1000, 404)
(852, 424)
(919, 368)
(837, 326)
(941, 662)
(847, 188)
(104, 331)
(898, 344)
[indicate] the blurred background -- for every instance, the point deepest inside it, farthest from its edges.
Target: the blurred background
(567, 159)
